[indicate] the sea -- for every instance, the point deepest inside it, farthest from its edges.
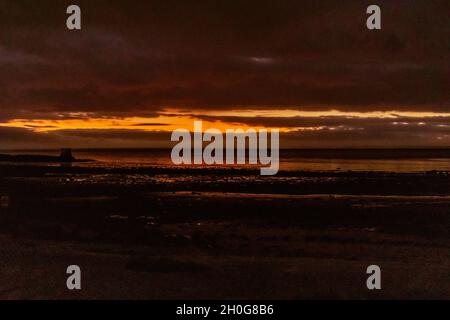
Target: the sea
(389, 160)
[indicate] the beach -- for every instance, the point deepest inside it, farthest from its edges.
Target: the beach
(161, 232)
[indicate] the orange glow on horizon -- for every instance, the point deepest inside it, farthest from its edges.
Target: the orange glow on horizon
(173, 119)
(162, 123)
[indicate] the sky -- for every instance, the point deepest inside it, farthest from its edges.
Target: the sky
(139, 69)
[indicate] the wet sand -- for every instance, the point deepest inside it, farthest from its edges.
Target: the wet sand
(203, 234)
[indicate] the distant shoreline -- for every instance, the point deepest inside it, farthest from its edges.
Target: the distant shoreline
(38, 158)
(320, 153)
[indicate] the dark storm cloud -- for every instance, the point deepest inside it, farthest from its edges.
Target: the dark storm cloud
(150, 124)
(12, 138)
(122, 134)
(137, 58)
(411, 135)
(20, 138)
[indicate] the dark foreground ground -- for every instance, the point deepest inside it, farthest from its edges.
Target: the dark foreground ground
(206, 234)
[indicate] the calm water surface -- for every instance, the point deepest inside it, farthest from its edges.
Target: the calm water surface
(289, 160)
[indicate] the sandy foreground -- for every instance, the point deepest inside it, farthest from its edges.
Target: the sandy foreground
(142, 243)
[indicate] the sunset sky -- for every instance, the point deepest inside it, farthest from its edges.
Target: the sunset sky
(139, 69)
